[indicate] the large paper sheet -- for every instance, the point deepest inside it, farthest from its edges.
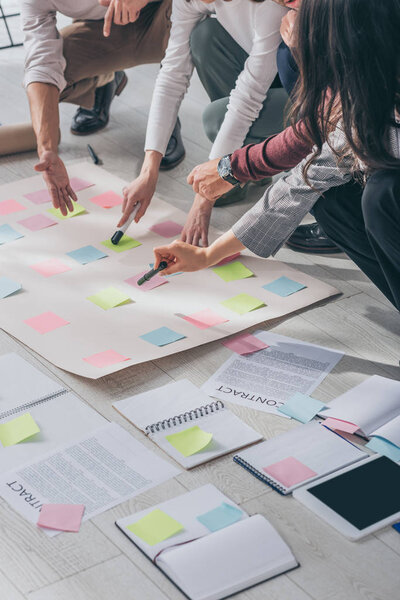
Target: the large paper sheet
(266, 379)
(71, 328)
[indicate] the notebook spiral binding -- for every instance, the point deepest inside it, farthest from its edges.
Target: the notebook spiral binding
(196, 413)
(260, 476)
(42, 400)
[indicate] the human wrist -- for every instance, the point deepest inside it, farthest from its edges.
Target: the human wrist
(151, 165)
(224, 169)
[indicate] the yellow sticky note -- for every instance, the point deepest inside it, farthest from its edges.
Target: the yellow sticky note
(78, 210)
(233, 271)
(126, 243)
(243, 303)
(190, 441)
(18, 429)
(109, 298)
(155, 527)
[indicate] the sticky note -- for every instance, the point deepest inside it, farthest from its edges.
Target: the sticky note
(233, 271)
(109, 298)
(167, 229)
(243, 303)
(384, 447)
(220, 517)
(86, 254)
(155, 527)
(107, 200)
(10, 206)
(79, 184)
(126, 243)
(289, 471)
(284, 286)
(37, 222)
(8, 234)
(396, 526)
(62, 517)
(245, 343)
(39, 197)
(301, 407)
(8, 287)
(78, 210)
(46, 322)
(190, 441)
(18, 430)
(50, 267)
(162, 336)
(154, 282)
(339, 425)
(228, 259)
(205, 318)
(105, 359)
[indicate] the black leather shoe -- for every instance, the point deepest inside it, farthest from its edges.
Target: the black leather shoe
(175, 152)
(312, 238)
(87, 121)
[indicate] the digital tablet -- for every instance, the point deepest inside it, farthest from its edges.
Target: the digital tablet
(357, 500)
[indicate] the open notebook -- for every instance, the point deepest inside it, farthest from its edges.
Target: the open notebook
(180, 406)
(374, 406)
(208, 558)
(298, 456)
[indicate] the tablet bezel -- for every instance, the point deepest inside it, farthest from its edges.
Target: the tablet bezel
(333, 518)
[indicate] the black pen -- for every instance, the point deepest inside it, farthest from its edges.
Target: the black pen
(93, 155)
(147, 276)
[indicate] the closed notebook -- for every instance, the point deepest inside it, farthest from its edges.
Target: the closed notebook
(179, 407)
(211, 565)
(299, 456)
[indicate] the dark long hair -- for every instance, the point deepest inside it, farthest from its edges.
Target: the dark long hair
(348, 52)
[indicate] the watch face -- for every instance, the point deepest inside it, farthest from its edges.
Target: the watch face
(225, 167)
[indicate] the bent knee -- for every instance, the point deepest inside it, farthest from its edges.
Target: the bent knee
(380, 199)
(213, 117)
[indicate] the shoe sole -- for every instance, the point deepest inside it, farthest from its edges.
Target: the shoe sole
(174, 164)
(308, 250)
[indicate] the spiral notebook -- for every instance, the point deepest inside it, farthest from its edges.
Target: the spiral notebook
(299, 456)
(210, 559)
(180, 406)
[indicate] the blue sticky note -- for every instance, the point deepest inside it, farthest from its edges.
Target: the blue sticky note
(396, 526)
(220, 517)
(86, 255)
(301, 407)
(284, 286)
(8, 234)
(8, 287)
(162, 336)
(384, 447)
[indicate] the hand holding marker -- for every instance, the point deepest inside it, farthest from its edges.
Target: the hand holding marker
(116, 238)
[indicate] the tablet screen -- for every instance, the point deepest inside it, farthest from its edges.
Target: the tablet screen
(364, 495)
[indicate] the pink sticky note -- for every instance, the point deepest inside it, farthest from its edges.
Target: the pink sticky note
(228, 259)
(245, 343)
(50, 267)
(39, 197)
(62, 517)
(10, 206)
(167, 229)
(107, 200)
(37, 222)
(289, 471)
(46, 322)
(205, 318)
(338, 425)
(78, 184)
(106, 358)
(148, 285)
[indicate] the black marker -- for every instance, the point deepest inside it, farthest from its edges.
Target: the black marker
(116, 238)
(147, 276)
(93, 155)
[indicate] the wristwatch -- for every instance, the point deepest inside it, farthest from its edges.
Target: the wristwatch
(225, 170)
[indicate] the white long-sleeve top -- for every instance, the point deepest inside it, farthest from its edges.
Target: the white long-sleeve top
(255, 27)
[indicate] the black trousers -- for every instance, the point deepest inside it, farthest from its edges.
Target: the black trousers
(365, 224)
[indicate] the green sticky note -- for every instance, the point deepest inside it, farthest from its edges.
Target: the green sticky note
(243, 303)
(155, 527)
(78, 210)
(190, 441)
(109, 298)
(233, 271)
(18, 429)
(126, 243)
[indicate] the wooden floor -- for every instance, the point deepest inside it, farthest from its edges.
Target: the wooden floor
(99, 562)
